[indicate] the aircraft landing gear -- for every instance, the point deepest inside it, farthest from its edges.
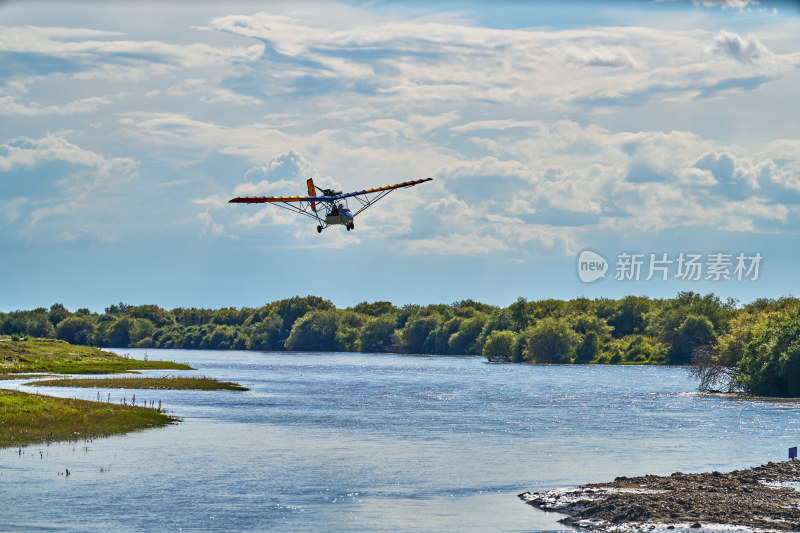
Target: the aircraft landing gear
(351, 226)
(319, 229)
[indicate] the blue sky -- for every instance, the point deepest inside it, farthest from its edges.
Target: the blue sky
(549, 128)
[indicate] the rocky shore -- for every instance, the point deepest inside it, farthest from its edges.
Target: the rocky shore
(763, 498)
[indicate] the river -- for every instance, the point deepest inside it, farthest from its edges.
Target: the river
(362, 442)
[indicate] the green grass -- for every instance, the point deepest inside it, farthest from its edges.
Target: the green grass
(24, 376)
(32, 418)
(59, 357)
(168, 382)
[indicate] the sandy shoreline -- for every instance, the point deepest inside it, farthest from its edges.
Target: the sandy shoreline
(763, 498)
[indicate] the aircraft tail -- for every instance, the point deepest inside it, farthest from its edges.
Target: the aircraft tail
(312, 192)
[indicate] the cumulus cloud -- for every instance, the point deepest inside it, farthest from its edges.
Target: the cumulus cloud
(457, 63)
(28, 152)
(726, 171)
(747, 50)
(382, 100)
(61, 204)
(283, 175)
(406, 63)
(643, 182)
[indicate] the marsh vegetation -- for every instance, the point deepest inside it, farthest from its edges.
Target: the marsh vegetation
(164, 383)
(26, 354)
(30, 418)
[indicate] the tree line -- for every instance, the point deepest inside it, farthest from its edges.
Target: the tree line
(750, 347)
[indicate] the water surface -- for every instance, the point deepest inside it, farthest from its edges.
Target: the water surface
(360, 442)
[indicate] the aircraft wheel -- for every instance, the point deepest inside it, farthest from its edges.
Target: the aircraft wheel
(352, 226)
(348, 227)
(319, 229)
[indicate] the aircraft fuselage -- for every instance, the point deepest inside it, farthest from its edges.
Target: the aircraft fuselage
(339, 215)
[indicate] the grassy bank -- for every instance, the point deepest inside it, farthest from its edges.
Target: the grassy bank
(168, 382)
(31, 418)
(24, 376)
(59, 357)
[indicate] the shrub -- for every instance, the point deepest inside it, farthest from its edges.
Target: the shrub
(377, 334)
(500, 346)
(588, 348)
(75, 330)
(551, 340)
(315, 331)
(770, 365)
(695, 331)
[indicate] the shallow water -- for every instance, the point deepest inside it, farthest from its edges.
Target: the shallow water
(359, 442)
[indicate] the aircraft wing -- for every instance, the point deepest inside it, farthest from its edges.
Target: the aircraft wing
(281, 199)
(385, 188)
(286, 199)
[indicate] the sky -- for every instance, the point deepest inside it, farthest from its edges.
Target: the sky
(658, 141)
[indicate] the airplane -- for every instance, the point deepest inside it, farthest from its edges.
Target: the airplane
(333, 204)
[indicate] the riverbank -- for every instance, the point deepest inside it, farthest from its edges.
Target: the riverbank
(34, 418)
(162, 383)
(764, 497)
(59, 357)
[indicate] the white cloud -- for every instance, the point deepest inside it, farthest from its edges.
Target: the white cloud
(265, 187)
(429, 123)
(567, 181)
(497, 124)
(65, 208)
(456, 63)
(209, 226)
(601, 57)
(207, 92)
(724, 4)
(27, 152)
(69, 208)
(747, 50)
(82, 44)
(9, 105)
(384, 99)
(214, 200)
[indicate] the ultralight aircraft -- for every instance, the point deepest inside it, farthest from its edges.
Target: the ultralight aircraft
(332, 204)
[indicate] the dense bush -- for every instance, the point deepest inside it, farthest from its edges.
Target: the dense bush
(551, 340)
(76, 330)
(678, 323)
(770, 364)
(500, 346)
(315, 331)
